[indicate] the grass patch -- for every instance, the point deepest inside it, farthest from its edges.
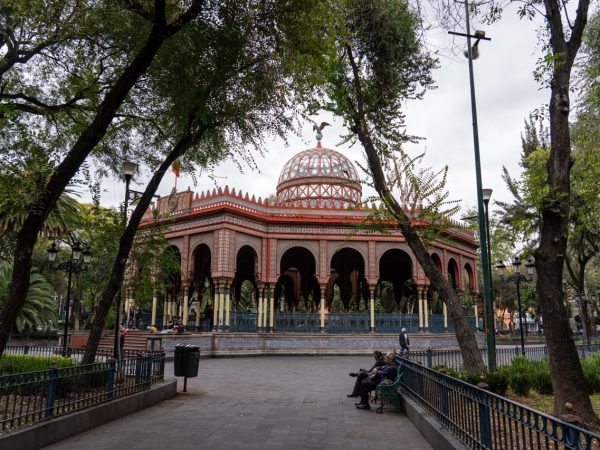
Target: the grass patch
(545, 403)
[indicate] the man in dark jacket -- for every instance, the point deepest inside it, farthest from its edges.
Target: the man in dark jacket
(364, 373)
(387, 372)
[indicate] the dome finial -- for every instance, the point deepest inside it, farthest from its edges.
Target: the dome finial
(318, 129)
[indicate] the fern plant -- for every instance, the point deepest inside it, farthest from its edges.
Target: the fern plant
(40, 306)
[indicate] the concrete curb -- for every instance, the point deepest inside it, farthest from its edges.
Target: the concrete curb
(439, 437)
(55, 430)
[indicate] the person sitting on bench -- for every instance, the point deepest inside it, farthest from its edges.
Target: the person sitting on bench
(387, 372)
(364, 373)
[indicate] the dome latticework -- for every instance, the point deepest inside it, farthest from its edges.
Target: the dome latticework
(319, 177)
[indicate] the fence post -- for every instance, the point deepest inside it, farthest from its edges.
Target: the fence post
(484, 415)
(443, 398)
(26, 350)
(51, 394)
(429, 357)
(517, 351)
(110, 378)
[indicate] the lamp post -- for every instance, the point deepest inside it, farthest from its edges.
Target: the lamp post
(583, 309)
(487, 195)
(472, 52)
(517, 278)
(128, 168)
(74, 264)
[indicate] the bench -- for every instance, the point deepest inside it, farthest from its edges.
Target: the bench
(388, 393)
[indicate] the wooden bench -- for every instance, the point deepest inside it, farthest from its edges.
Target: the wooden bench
(134, 341)
(388, 393)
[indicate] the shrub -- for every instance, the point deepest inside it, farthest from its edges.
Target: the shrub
(13, 364)
(591, 373)
(498, 382)
(540, 376)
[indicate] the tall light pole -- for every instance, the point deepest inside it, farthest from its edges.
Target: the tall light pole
(517, 278)
(74, 264)
(472, 52)
(487, 195)
(128, 168)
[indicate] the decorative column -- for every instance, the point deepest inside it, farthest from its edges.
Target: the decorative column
(261, 295)
(227, 301)
(322, 310)
(198, 303)
(154, 306)
(222, 306)
(271, 296)
(185, 315)
(265, 311)
(165, 309)
(215, 318)
(445, 315)
(372, 308)
(425, 309)
(421, 312)
(476, 314)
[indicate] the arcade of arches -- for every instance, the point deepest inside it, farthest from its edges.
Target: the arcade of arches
(303, 253)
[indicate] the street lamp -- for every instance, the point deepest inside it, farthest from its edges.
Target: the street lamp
(517, 278)
(128, 168)
(472, 52)
(487, 195)
(74, 264)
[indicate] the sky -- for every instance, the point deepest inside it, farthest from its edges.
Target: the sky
(505, 93)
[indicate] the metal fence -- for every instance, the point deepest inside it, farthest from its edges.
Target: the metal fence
(28, 398)
(102, 354)
(504, 356)
(299, 322)
(483, 420)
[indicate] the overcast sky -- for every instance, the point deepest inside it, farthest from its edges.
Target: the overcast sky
(505, 93)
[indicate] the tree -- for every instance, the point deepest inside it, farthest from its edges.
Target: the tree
(246, 66)
(563, 34)
(86, 132)
(40, 305)
(379, 65)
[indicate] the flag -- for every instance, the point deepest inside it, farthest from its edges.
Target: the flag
(176, 167)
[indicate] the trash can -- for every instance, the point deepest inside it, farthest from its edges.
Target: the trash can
(192, 360)
(179, 361)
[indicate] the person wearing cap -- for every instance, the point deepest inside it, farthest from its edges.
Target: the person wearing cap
(362, 374)
(386, 372)
(404, 342)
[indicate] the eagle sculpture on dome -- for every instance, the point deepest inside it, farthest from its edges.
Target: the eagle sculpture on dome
(318, 129)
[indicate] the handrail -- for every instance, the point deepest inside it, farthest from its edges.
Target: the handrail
(28, 398)
(484, 420)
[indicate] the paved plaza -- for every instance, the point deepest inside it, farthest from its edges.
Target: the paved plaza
(259, 403)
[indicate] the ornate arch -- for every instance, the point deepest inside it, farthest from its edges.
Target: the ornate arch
(284, 246)
(383, 247)
(360, 247)
(198, 240)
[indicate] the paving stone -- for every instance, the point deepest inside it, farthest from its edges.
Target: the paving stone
(276, 402)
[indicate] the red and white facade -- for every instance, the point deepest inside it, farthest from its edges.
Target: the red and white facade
(300, 249)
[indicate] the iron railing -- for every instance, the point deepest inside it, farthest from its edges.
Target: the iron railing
(28, 398)
(483, 420)
(393, 323)
(102, 354)
(504, 356)
(297, 322)
(243, 322)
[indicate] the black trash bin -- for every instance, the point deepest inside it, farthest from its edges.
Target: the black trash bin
(192, 360)
(179, 360)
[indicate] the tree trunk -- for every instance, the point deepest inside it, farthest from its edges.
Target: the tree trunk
(27, 236)
(550, 255)
(465, 336)
(126, 242)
